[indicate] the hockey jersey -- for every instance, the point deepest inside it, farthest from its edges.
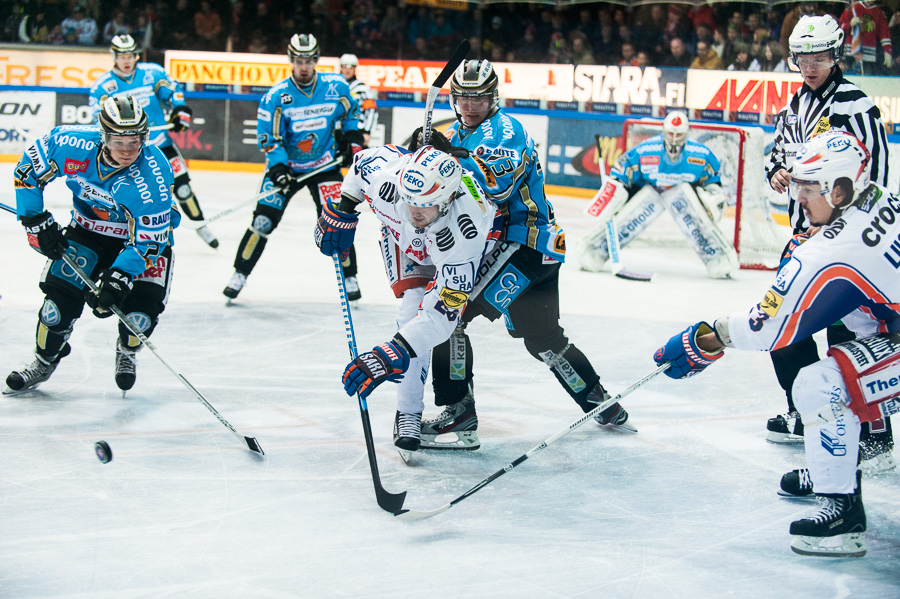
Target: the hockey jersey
(295, 125)
(454, 243)
(156, 92)
(648, 163)
(504, 160)
(848, 271)
(873, 30)
(133, 203)
(366, 98)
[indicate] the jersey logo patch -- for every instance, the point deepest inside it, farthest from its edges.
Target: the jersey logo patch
(822, 126)
(786, 275)
(75, 166)
(444, 239)
(771, 303)
(286, 99)
(453, 299)
(466, 226)
(649, 159)
(306, 144)
(699, 161)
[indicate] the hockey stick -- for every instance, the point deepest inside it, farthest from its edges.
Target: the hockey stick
(8, 208)
(251, 443)
(612, 234)
(294, 181)
(458, 56)
(417, 515)
(390, 502)
(30, 135)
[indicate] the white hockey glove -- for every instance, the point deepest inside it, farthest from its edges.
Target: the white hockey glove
(713, 198)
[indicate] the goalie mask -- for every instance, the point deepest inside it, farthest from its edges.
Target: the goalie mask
(829, 160)
(675, 133)
(430, 179)
(813, 35)
(473, 92)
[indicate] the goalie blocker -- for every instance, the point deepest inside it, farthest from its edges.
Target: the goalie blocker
(693, 213)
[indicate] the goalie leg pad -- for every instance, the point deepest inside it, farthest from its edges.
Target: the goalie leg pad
(631, 220)
(831, 429)
(704, 236)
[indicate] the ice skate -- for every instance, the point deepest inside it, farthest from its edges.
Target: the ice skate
(352, 287)
(876, 455)
(126, 367)
(36, 373)
(614, 417)
(455, 428)
(837, 529)
(207, 237)
(797, 484)
(785, 429)
(407, 433)
(238, 280)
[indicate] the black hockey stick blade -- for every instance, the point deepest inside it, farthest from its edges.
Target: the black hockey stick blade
(633, 275)
(253, 445)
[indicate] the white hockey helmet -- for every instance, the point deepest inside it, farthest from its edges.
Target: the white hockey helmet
(474, 78)
(122, 44)
(813, 34)
(828, 158)
(303, 45)
(123, 116)
(349, 60)
(675, 132)
(430, 178)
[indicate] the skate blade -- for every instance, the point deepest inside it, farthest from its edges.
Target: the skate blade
(784, 439)
(10, 392)
(407, 456)
(810, 497)
(465, 441)
(625, 427)
(846, 545)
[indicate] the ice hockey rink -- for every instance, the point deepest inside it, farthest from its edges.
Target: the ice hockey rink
(687, 508)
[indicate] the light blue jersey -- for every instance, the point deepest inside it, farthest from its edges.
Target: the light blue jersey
(133, 203)
(156, 92)
(295, 125)
(648, 164)
(504, 161)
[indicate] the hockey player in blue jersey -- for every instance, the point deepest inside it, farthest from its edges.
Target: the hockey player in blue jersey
(120, 233)
(162, 100)
(504, 161)
(296, 124)
(670, 172)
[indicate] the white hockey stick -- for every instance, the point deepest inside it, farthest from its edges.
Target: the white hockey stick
(294, 181)
(421, 515)
(29, 135)
(458, 56)
(251, 443)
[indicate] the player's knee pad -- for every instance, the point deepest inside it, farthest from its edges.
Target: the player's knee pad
(631, 220)
(249, 250)
(56, 320)
(703, 235)
(142, 321)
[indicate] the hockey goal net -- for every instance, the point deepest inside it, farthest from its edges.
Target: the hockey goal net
(747, 219)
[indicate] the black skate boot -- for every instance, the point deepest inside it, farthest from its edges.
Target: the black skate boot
(407, 433)
(237, 282)
(126, 367)
(797, 484)
(36, 373)
(837, 529)
(785, 429)
(614, 416)
(455, 428)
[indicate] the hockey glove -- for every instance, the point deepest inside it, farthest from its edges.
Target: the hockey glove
(439, 142)
(682, 352)
(795, 242)
(180, 118)
(280, 175)
(350, 143)
(45, 235)
(114, 286)
(335, 231)
(387, 362)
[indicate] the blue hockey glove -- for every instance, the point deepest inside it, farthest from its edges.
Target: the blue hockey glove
(795, 242)
(180, 118)
(45, 235)
(335, 231)
(114, 286)
(686, 358)
(387, 362)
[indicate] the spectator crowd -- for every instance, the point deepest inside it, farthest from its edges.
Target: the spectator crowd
(734, 36)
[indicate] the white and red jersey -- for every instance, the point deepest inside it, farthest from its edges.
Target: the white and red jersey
(873, 30)
(848, 271)
(454, 244)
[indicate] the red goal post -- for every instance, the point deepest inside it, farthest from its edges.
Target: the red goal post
(747, 218)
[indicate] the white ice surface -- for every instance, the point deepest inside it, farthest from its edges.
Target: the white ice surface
(684, 509)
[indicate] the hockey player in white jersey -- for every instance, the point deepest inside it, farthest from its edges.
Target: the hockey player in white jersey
(666, 172)
(436, 227)
(364, 95)
(847, 271)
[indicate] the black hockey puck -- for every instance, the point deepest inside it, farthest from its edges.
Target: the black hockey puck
(104, 453)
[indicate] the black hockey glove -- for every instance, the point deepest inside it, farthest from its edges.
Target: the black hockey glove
(439, 142)
(180, 118)
(114, 285)
(45, 235)
(350, 143)
(280, 175)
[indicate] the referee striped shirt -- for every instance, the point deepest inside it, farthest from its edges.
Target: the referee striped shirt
(837, 104)
(365, 96)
